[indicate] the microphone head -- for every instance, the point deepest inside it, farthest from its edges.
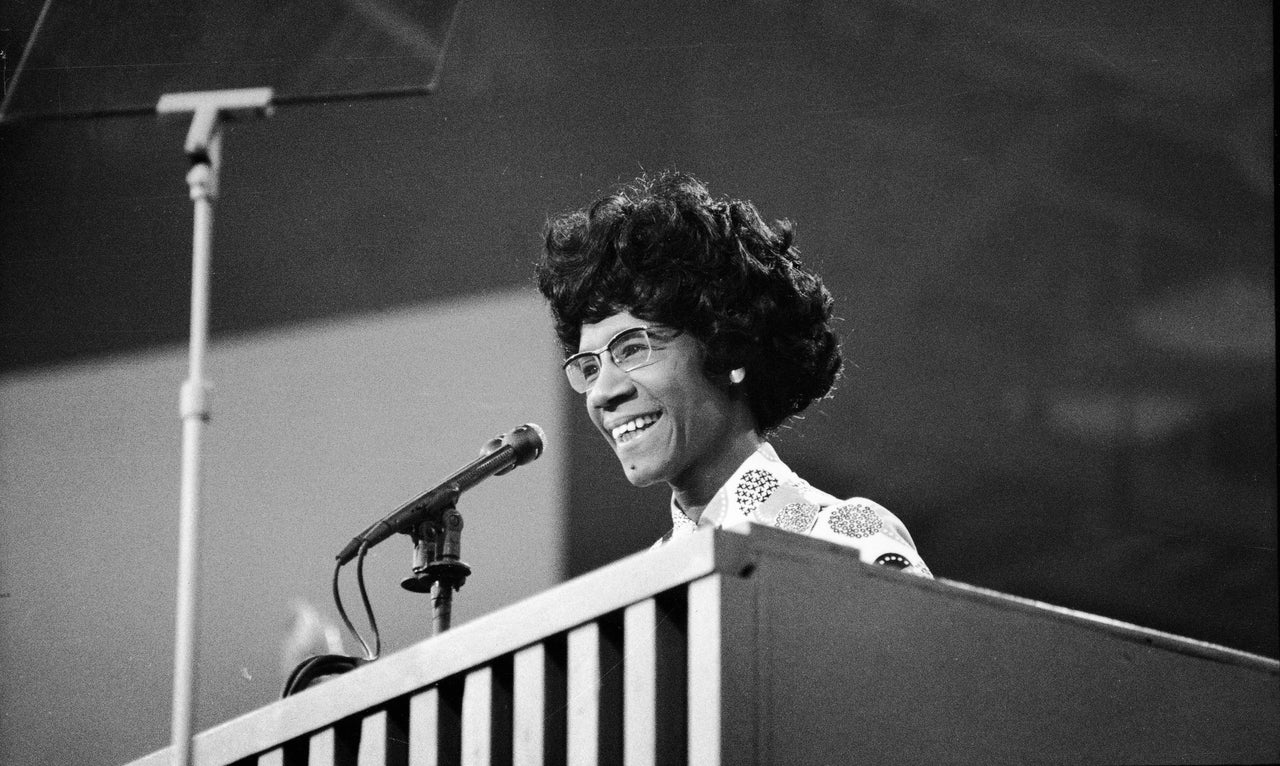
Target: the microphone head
(525, 442)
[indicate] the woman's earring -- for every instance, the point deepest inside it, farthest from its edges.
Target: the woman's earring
(738, 375)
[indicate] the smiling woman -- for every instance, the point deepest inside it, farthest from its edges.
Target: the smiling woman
(693, 331)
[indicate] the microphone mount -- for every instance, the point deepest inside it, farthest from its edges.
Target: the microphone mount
(437, 565)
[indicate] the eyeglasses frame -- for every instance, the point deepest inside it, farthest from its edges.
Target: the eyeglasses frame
(604, 351)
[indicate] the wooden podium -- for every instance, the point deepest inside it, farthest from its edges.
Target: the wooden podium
(770, 648)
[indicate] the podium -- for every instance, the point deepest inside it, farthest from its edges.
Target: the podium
(765, 647)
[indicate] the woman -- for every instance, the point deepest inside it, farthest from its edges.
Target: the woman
(693, 331)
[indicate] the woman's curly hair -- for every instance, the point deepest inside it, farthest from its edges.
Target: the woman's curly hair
(663, 249)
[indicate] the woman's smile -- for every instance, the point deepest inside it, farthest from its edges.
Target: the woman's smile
(634, 428)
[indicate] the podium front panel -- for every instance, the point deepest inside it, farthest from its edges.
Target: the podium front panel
(769, 648)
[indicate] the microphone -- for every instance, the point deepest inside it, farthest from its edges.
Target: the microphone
(499, 456)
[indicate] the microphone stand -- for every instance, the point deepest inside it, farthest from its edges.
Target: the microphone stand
(437, 567)
(208, 110)
(204, 148)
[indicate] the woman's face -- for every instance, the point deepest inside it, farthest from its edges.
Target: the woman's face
(665, 421)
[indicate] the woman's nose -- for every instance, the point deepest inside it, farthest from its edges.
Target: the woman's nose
(612, 385)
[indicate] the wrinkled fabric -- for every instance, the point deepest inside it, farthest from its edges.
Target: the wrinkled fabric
(763, 490)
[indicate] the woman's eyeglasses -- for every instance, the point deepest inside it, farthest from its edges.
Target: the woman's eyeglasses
(630, 350)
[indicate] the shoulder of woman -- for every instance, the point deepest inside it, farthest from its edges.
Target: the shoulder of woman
(879, 535)
(893, 526)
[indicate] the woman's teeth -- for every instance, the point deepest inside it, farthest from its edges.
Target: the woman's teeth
(632, 428)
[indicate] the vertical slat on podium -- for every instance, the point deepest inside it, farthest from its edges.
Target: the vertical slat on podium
(640, 685)
(477, 717)
(322, 749)
(530, 705)
(373, 740)
(704, 714)
(486, 715)
(326, 749)
(655, 672)
(435, 725)
(539, 704)
(383, 738)
(595, 693)
(584, 695)
(272, 758)
(424, 728)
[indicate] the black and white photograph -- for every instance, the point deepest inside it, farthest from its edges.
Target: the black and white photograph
(778, 382)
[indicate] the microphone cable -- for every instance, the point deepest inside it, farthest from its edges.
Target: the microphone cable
(317, 666)
(370, 656)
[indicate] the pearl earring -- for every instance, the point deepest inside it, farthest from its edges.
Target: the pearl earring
(737, 376)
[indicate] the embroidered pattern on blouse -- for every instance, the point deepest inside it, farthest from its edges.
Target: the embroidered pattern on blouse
(796, 517)
(855, 521)
(898, 561)
(754, 488)
(894, 561)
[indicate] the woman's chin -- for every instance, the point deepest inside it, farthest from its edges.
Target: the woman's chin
(640, 475)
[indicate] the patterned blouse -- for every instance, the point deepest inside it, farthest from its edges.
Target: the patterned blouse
(765, 491)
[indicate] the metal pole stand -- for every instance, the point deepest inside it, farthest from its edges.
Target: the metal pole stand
(204, 148)
(437, 567)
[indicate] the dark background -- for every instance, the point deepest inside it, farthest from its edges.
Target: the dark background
(1048, 227)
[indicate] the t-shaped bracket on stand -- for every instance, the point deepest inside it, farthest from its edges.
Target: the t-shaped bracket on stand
(208, 109)
(204, 148)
